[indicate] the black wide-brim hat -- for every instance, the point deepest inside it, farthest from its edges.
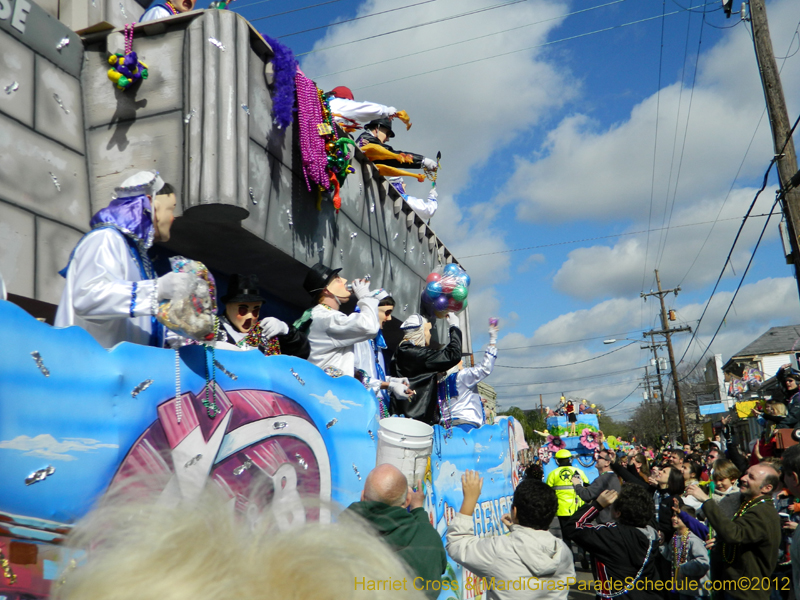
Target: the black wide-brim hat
(318, 278)
(382, 122)
(242, 288)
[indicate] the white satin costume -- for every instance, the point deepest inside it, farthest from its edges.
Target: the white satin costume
(468, 405)
(103, 274)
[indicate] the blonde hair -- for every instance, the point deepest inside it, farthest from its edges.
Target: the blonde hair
(417, 335)
(144, 551)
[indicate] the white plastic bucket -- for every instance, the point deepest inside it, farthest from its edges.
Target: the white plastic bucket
(406, 444)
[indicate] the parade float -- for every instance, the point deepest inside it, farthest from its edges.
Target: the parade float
(77, 420)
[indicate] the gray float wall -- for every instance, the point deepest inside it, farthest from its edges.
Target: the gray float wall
(204, 119)
(44, 191)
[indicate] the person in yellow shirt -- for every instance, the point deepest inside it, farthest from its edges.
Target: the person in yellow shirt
(560, 479)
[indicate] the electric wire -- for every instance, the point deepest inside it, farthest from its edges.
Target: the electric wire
(286, 12)
(377, 35)
(685, 129)
(735, 293)
(736, 239)
(593, 387)
(655, 142)
(550, 43)
(602, 237)
(472, 39)
(581, 378)
(579, 362)
(608, 410)
(599, 337)
(728, 258)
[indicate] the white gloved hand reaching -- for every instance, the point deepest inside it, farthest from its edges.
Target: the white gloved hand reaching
(270, 327)
(360, 288)
(434, 195)
(452, 320)
(173, 284)
(430, 164)
(400, 390)
(493, 331)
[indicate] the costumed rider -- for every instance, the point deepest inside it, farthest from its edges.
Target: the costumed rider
(240, 327)
(332, 333)
(424, 208)
(560, 479)
(466, 406)
(380, 130)
(421, 364)
(160, 10)
(351, 114)
(111, 290)
(371, 364)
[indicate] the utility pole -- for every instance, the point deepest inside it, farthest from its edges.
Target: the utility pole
(781, 127)
(654, 347)
(541, 403)
(667, 333)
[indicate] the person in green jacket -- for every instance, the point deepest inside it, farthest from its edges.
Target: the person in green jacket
(746, 548)
(396, 512)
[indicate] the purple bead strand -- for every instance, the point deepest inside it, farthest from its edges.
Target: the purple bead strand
(312, 145)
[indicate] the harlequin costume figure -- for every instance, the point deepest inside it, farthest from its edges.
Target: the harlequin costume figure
(240, 326)
(111, 289)
(380, 130)
(169, 8)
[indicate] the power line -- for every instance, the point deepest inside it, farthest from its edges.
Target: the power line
(728, 258)
(286, 12)
(472, 39)
(735, 293)
(655, 142)
(580, 362)
(593, 387)
(599, 337)
(736, 239)
(377, 35)
(608, 410)
(738, 171)
(604, 237)
(566, 39)
(685, 129)
(597, 376)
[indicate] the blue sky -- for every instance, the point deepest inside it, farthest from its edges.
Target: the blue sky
(559, 142)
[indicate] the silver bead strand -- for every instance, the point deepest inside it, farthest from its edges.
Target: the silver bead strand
(178, 402)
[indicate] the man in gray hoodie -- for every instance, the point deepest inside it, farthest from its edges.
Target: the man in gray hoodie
(530, 559)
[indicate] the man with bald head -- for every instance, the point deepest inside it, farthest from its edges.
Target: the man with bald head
(747, 545)
(395, 511)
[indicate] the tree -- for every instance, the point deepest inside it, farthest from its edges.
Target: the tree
(529, 419)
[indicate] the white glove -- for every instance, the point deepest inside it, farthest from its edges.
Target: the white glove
(270, 327)
(493, 330)
(429, 164)
(174, 284)
(433, 195)
(452, 320)
(380, 294)
(360, 288)
(403, 380)
(400, 390)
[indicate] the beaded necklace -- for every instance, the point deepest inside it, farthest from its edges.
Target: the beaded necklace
(632, 584)
(679, 551)
(256, 339)
(447, 390)
(210, 401)
(740, 513)
(171, 8)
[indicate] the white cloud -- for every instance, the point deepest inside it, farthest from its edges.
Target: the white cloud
(46, 446)
(530, 262)
(330, 399)
(448, 478)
